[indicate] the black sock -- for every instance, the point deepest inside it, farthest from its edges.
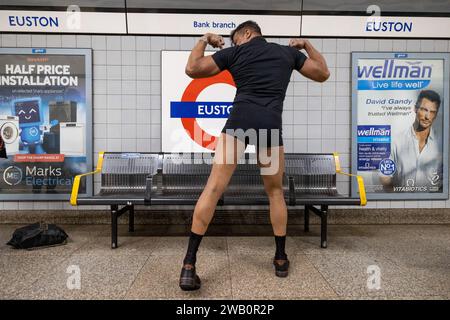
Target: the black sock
(280, 243)
(194, 243)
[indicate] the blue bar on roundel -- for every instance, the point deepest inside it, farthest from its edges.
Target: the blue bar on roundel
(200, 109)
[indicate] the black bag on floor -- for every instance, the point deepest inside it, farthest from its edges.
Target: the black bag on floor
(38, 234)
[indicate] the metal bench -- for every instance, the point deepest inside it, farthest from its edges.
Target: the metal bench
(129, 179)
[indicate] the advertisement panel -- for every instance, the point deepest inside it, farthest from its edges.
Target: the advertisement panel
(400, 124)
(45, 122)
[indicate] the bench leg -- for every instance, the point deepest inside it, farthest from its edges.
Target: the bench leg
(306, 219)
(131, 219)
(323, 227)
(114, 218)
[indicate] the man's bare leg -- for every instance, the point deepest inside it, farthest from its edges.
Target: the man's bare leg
(227, 153)
(272, 161)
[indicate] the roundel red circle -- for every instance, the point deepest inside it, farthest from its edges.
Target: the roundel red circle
(191, 94)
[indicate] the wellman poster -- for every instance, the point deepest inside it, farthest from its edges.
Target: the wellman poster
(400, 124)
(45, 122)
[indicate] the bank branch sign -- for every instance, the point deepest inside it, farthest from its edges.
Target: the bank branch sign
(194, 111)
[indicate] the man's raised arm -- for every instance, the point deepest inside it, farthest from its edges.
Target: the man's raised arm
(199, 65)
(315, 67)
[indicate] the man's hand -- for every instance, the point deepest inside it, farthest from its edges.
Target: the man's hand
(315, 67)
(298, 43)
(215, 40)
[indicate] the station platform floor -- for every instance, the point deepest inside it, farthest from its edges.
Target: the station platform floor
(413, 262)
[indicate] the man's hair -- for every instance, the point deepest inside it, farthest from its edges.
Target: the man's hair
(246, 25)
(431, 95)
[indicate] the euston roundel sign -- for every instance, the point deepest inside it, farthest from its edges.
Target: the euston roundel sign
(191, 94)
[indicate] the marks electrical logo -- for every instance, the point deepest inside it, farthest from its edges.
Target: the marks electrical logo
(12, 175)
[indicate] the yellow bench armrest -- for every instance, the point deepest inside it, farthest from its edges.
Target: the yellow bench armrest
(77, 180)
(359, 179)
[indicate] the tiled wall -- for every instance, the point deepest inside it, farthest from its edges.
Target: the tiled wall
(127, 97)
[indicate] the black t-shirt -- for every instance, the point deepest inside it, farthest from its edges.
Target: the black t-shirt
(261, 71)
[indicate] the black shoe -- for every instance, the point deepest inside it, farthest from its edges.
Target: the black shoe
(189, 280)
(281, 267)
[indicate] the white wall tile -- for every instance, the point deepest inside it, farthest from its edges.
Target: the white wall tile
(385, 45)
(38, 40)
(155, 58)
(99, 57)
(128, 58)
(128, 43)
(172, 43)
(143, 73)
(68, 41)
(114, 72)
(99, 72)
(314, 145)
(343, 45)
(129, 101)
(314, 131)
(84, 41)
(113, 101)
(357, 44)
(114, 58)
(371, 45)
(9, 40)
(329, 88)
(342, 117)
(399, 45)
(329, 45)
(441, 45)
(143, 43)
(143, 101)
(413, 45)
(300, 145)
(157, 43)
(331, 59)
(129, 87)
(130, 72)
(24, 40)
(100, 131)
(328, 117)
(113, 43)
(99, 42)
(300, 89)
(300, 131)
(314, 89)
(100, 87)
(114, 116)
(343, 89)
(129, 145)
(128, 131)
(143, 87)
(143, 58)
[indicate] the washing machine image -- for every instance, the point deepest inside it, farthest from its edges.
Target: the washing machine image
(9, 129)
(72, 139)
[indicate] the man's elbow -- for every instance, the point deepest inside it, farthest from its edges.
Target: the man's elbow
(324, 75)
(190, 71)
